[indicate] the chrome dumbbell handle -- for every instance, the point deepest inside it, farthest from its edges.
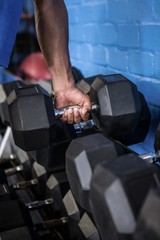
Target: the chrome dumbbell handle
(13, 170)
(151, 157)
(59, 112)
(25, 184)
(39, 204)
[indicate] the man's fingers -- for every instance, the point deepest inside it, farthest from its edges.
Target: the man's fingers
(77, 117)
(64, 117)
(84, 111)
(84, 114)
(70, 118)
(76, 114)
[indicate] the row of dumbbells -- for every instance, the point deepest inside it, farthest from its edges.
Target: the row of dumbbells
(112, 199)
(80, 164)
(25, 187)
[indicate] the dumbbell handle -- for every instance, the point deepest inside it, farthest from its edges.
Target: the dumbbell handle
(148, 157)
(59, 112)
(13, 170)
(151, 157)
(51, 224)
(39, 204)
(25, 184)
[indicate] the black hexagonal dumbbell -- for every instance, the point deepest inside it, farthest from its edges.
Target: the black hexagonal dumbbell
(16, 214)
(149, 218)
(5, 90)
(55, 185)
(118, 191)
(32, 118)
(70, 209)
(11, 155)
(51, 184)
(82, 156)
(97, 84)
(123, 112)
(157, 139)
(116, 111)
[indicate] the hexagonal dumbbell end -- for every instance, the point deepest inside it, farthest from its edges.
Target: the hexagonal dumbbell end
(149, 219)
(5, 90)
(82, 156)
(157, 139)
(118, 190)
(140, 132)
(32, 117)
(119, 105)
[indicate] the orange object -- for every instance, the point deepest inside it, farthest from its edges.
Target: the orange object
(34, 67)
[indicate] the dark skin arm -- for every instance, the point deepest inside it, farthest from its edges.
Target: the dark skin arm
(52, 30)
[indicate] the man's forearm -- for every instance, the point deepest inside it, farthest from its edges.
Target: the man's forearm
(52, 30)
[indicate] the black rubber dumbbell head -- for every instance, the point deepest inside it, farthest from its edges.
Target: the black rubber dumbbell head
(119, 105)
(32, 117)
(118, 190)
(82, 156)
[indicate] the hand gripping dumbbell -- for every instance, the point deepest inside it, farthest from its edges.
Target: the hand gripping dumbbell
(117, 111)
(33, 118)
(95, 86)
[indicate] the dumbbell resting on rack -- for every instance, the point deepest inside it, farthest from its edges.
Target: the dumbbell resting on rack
(5, 90)
(34, 123)
(11, 156)
(149, 219)
(32, 115)
(33, 108)
(134, 178)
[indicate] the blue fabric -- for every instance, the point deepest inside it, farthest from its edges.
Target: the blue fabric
(10, 11)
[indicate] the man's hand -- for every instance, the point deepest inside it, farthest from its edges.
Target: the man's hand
(70, 97)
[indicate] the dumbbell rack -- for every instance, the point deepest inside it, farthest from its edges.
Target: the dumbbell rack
(28, 197)
(39, 215)
(69, 218)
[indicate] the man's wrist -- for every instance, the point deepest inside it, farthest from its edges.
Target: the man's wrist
(62, 82)
(59, 90)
